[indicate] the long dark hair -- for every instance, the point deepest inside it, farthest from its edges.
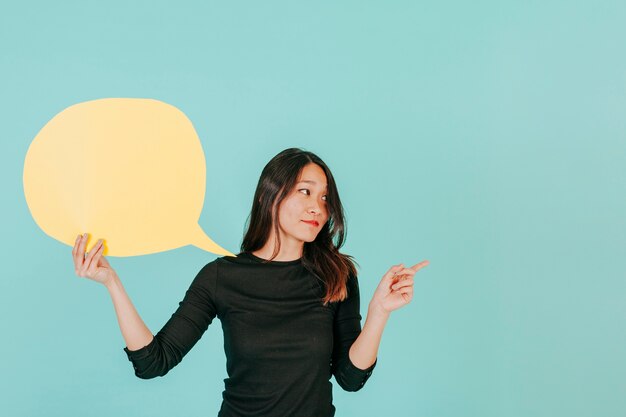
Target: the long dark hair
(321, 256)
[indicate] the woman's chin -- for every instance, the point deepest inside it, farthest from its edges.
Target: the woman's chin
(310, 238)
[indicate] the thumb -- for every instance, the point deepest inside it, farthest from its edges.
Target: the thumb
(104, 262)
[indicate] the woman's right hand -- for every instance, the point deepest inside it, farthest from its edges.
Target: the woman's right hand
(93, 266)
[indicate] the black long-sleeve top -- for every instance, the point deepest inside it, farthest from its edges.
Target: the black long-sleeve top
(282, 344)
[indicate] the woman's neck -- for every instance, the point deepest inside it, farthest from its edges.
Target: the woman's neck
(289, 251)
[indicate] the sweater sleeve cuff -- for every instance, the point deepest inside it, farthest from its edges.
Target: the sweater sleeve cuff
(144, 352)
(357, 374)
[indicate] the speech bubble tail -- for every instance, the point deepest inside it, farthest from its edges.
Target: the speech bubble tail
(200, 240)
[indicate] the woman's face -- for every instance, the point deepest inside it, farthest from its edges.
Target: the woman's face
(303, 213)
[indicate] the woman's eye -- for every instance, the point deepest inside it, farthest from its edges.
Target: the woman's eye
(308, 192)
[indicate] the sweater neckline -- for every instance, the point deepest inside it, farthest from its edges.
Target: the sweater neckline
(277, 263)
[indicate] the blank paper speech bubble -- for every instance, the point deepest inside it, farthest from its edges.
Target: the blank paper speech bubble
(130, 171)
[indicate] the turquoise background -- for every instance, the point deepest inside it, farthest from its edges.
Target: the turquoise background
(487, 137)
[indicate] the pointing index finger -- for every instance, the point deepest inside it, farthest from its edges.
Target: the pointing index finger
(419, 265)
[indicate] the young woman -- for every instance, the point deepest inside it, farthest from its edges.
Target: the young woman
(289, 302)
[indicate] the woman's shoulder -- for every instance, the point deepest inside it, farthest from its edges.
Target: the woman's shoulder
(242, 258)
(211, 269)
(239, 259)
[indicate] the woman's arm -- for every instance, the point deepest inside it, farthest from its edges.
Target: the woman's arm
(136, 334)
(394, 291)
(152, 355)
(346, 330)
(96, 267)
(182, 331)
(364, 350)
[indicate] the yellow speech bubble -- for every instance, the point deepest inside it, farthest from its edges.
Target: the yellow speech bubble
(128, 170)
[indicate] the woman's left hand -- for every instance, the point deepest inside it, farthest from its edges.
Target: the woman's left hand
(396, 288)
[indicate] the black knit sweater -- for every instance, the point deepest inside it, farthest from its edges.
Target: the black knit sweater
(282, 344)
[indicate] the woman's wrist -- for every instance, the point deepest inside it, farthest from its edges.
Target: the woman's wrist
(377, 312)
(113, 283)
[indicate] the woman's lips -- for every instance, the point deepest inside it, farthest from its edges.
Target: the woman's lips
(312, 222)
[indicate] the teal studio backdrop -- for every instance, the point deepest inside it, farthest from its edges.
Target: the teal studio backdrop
(487, 137)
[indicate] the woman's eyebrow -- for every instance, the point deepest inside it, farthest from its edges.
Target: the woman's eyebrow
(311, 182)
